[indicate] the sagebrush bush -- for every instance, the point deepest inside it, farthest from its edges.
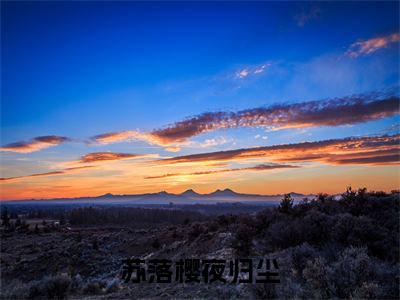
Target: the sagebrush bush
(14, 290)
(331, 248)
(242, 241)
(195, 230)
(353, 268)
(51, 287)
(77, 283)
(300, 256)
(368, 290)
(112, 286)
(94, 287)
(317, 276)
(266, 291)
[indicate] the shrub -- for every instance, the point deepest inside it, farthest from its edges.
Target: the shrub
(77, 282)
(213, 226)
(314, 228)
(368, 290)
(266, 291)
(14, 290)
(362, 231)
(281, 235)
(196, 230)
(95, 244)
(286, 204)
(318, 278)
(94, 287)
(112, 286)
(52, 287)
(242, 241)
(226, 220)
(353, 268)
(175, 234)
(156, 244)
(300, 256)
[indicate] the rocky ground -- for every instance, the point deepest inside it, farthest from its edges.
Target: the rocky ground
(346, 249)
(91, 257)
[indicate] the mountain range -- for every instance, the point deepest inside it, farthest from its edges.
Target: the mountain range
(187, 197)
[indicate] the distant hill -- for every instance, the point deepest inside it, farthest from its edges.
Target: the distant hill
(163, 197)
(224, 193)
(190, 193)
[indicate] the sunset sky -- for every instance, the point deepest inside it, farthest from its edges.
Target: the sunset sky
(261, 97)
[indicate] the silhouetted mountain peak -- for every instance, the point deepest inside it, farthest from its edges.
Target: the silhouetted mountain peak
(293, 194)
(163, 193)
(225, 192)
(190, 192)
(106, 195)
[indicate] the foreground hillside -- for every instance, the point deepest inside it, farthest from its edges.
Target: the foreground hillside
(325, 248)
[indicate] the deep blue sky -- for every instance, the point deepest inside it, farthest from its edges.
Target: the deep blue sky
(56, 55)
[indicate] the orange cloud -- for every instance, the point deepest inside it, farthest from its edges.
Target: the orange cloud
(36, 144)
(113, 137)
(362, 150)
(106, 156)
(65, 171)
(369, 46)
(262, 167)
(131, 135)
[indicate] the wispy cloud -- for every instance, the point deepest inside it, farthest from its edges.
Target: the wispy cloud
(123, 136)
(62, 172)
(332, 112)
(252, 70)
(172, 146)
(365, 47)
(132, 135)
(261, 167)
(354, 150)
(36, 144)
(258, 136)
(103, 159)
(208, 143)
(107, 156)
(307, 15)
(91, 160)
(384, 157)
